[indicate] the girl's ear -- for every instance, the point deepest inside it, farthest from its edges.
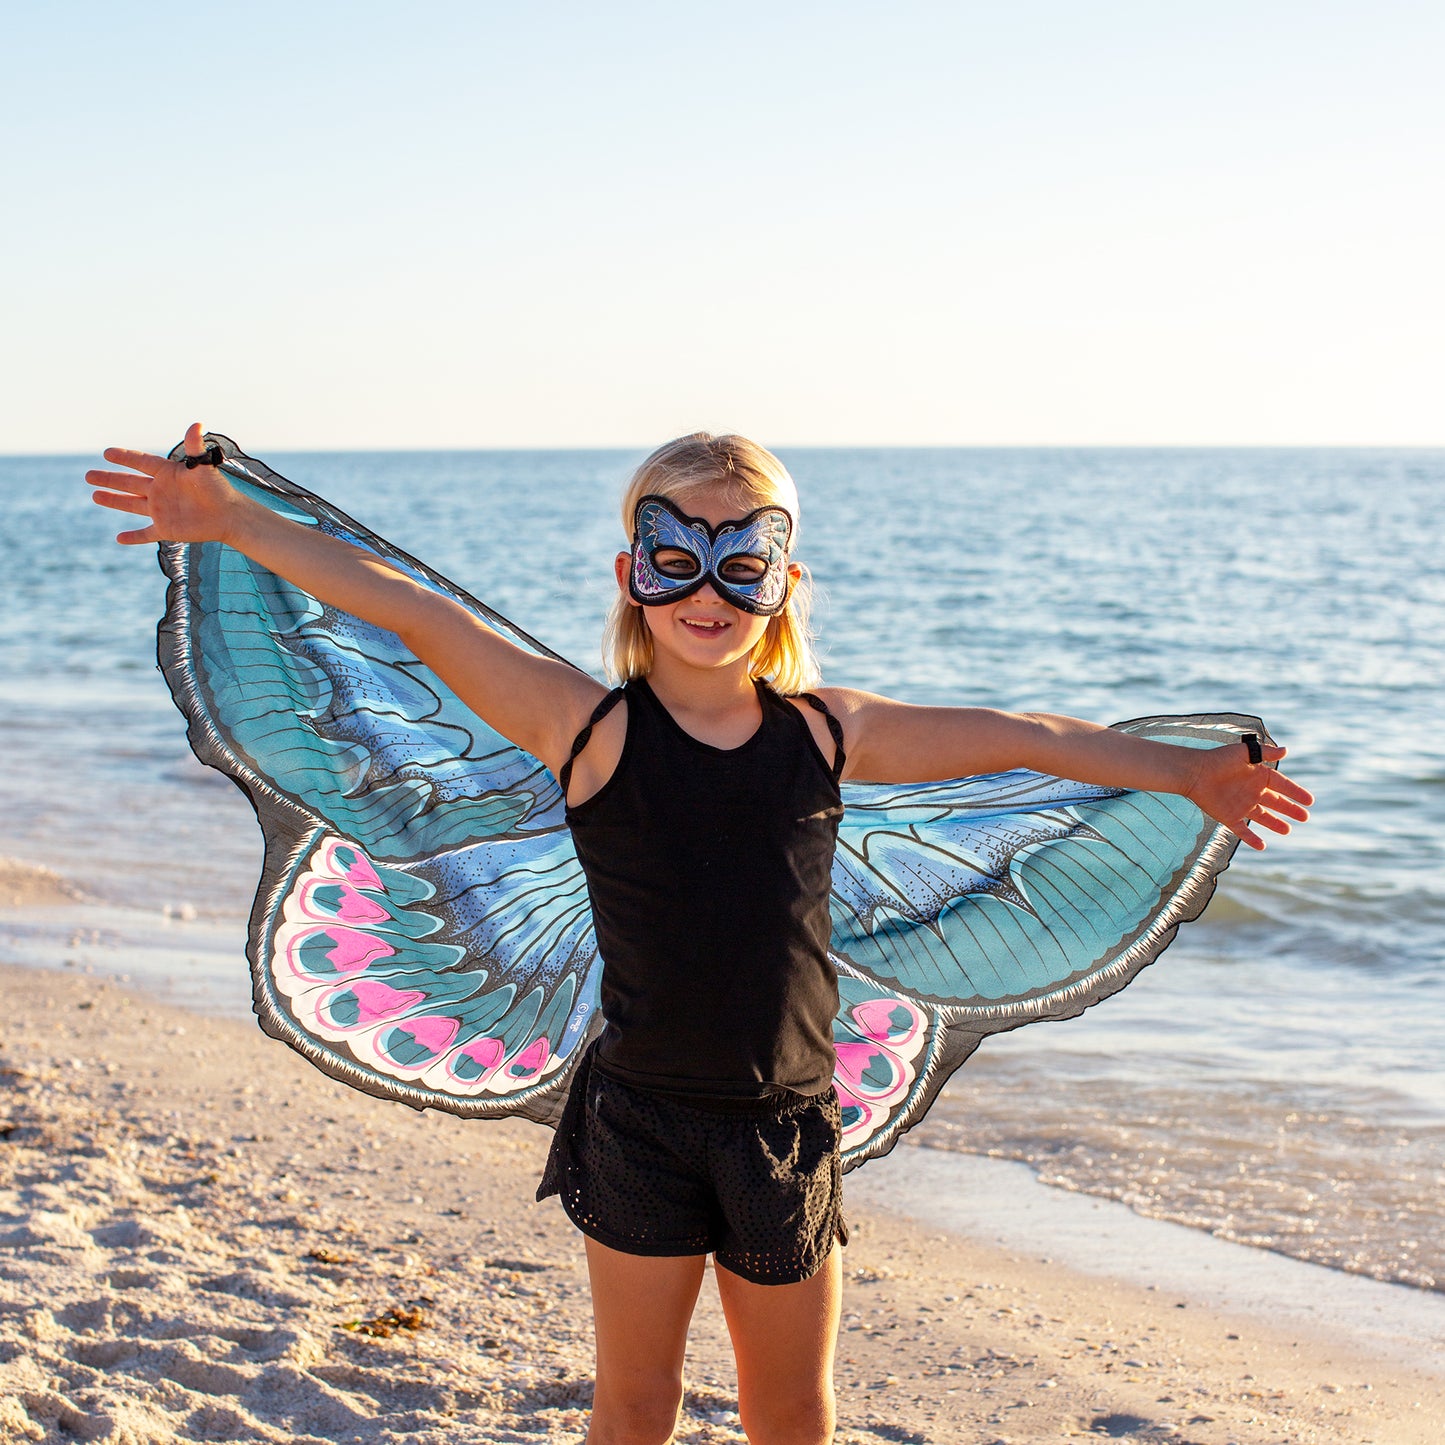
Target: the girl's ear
(795, 575)
(622, 567)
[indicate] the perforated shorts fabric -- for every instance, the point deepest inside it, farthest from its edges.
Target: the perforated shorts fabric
(647, 1174)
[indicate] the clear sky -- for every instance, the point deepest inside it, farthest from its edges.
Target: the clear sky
(562, 224)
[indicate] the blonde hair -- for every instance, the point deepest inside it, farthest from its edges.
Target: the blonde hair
(743, 475)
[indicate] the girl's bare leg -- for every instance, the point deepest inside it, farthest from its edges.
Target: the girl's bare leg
(784, 1337)
(641, 1307)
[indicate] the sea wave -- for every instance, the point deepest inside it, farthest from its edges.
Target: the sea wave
(1337, 1177)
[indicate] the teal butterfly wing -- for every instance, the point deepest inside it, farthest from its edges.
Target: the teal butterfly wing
(969, 907)
(421, 930)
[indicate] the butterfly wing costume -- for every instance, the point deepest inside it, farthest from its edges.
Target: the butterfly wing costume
(422, 930)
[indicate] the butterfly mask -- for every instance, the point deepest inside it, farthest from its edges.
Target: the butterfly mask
(746, 561)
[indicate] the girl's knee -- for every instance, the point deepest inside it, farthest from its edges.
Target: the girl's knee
(802, 1418)
(640, 1410)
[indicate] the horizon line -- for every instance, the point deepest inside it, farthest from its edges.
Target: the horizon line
(618, 447)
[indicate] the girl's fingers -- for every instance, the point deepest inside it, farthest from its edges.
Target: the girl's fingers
(145, 534)
(118, 481)
(1268, 820)
(1287, 806)
(195, 440)
(123, 502)
(137, 461)
(1288, 788)
(1270, 812)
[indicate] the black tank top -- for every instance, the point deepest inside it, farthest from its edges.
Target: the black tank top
(708, 870)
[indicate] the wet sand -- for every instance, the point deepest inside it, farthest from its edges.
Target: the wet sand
(202, 1238)
(1346, 1177)
(24, 885)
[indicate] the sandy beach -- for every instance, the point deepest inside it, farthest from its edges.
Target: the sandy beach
(201, 1238)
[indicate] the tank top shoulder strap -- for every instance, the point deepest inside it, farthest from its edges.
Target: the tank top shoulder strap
(835, 731)
(580, 741)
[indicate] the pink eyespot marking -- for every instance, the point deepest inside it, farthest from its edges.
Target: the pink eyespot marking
(355, 908)
(327, 898)
(879, 1019)
(352, 951)
(485, 1054)
(854, 1061)
(531, 1060)
(358, 871)
(858, 1116)
(374, 1002)
(432, 1031)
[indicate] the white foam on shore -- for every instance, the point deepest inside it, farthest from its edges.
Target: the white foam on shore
(176, 954)
(999, 1202)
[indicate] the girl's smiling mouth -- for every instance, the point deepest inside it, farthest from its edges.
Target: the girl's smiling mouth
(706, 626)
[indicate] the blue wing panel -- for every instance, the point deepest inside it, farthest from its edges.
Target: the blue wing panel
(339, 718)
(466, 981)
(986, 903)
(421, 930)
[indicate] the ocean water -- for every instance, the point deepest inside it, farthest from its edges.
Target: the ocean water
(1278, 1077)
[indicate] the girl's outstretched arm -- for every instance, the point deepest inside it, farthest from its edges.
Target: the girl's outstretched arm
(894, 742)
(537, 703)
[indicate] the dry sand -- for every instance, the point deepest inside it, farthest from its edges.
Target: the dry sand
(202, 1238)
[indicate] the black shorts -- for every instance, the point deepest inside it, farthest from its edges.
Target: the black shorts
(646, 1173)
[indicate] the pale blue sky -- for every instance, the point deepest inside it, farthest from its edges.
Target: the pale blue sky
(449, 224)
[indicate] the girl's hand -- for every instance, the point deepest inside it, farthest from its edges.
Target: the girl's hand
(539, 703)
(184, 505)
(1241, 794)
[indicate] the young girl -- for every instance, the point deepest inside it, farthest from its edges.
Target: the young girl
(703, 798)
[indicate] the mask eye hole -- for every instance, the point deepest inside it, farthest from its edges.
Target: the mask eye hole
(676, 564)
(742, 570)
